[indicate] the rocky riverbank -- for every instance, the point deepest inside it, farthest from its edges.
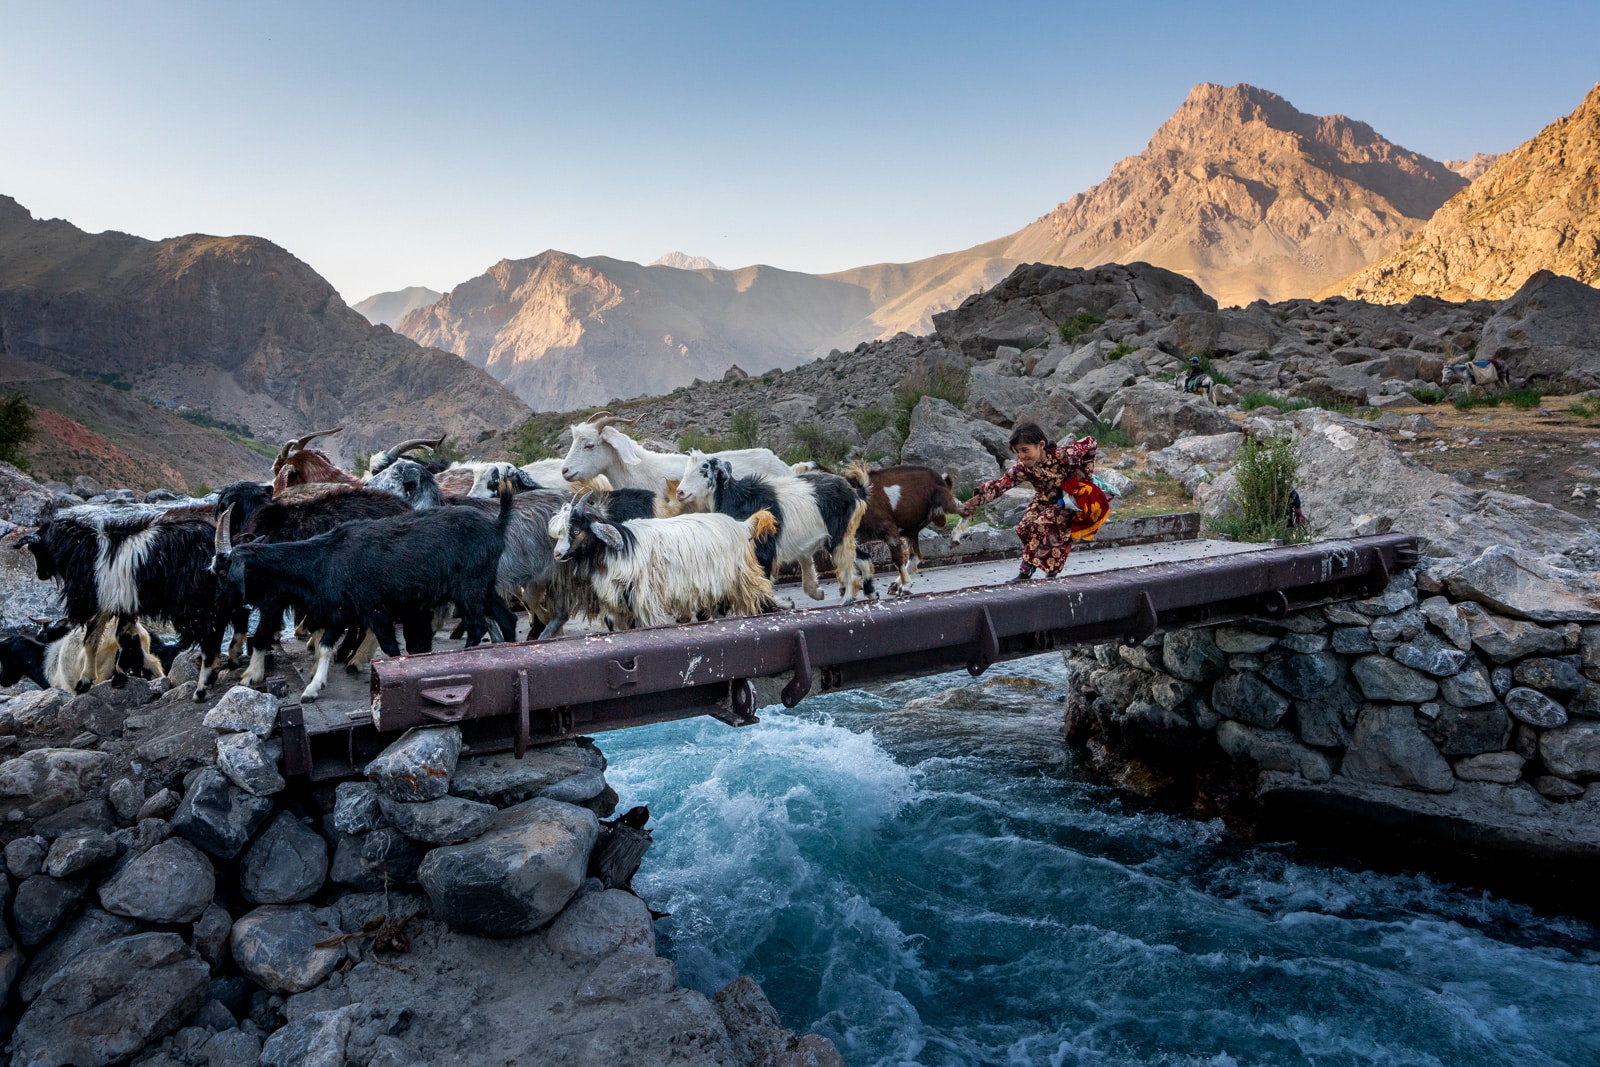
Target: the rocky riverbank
(171, 900)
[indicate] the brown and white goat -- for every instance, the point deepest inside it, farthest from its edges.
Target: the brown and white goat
(902, 501)
(298, 465)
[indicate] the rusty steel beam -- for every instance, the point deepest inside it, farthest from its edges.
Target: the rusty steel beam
(517, 695)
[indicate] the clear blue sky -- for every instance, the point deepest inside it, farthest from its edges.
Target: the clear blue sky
(397, 144)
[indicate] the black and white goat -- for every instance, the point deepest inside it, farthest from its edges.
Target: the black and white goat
(651, 572)
(373, 573)
(814, 512)
(132, 562)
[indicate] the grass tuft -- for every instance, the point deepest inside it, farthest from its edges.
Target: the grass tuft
(1260, 502)
(1078, 325)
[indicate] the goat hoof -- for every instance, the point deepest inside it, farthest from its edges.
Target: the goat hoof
(308, 698)
(83, 686)
(200, 695)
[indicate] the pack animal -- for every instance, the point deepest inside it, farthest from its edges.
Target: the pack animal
(651, 572)
(1482, 373)
(813, 512)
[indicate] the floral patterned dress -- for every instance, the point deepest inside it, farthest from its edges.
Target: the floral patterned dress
(1046, 527)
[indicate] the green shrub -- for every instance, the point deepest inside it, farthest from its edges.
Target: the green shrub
(746, 428)
(1123, 348)
(1110, 436)
(16, 429)
(870, 420)
(1428, 394)
(538, 437)
(1079, 324)
(943, 383)
(694, 440)
(1470, 402)
(1585, 409)
(813, 443)
(1523, 399)
(1265, 475)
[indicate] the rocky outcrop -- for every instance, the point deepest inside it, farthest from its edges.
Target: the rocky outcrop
(233, 326)
(1537, 208)
(1548, 332)
(387, 309)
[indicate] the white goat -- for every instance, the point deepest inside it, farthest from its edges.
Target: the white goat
(651, 572)
(600, 448)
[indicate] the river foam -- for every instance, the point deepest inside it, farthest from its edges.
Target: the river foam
(918, 874)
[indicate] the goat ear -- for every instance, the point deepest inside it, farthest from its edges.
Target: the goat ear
(607, 533)
(627, 451)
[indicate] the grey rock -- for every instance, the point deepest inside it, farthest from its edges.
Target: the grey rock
(161, 804)
(215, 1016)
(1244, 696)
(317, 1040)
(518, 875)
(218, 816)
(946, 439)
(1353, 640)
(171, 883)
(111, 1001)
(82, 850)
(243, 709)
(276, 946)
(419, 764)
(1557, 788)
(1381, 678)
(626, 976)
(1400, 595)
(1500, 679)
(1469, 731)
(1572, 751)
(1559, 677)
(355, 807)
(1468, 687)
(244, 761)
(127, 797)
(1504, 640)
(1388, 748)
(1403, 625)
(39, 711)
(210, 935)
(373, 861)
(1502, 767)
(1240, 639)
(1325, 720)
(92, 814)
(286, 864)
(46, 780)
(1305, 675)
(1273, 750)
(1534, 708)
(1154, 414)
(446, 821)
(503, 779)
(1514, 582)
(92, 927)
(1586, 705)
(1193, 655)
(233, 1048)
(1448, 620)
(1430, 655)
(25, 856)
(1306, 643)
(41, 904)
(599, 922)
(1589, 651)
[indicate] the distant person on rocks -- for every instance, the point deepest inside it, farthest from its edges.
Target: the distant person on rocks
(1065, 499)
(1196, 373)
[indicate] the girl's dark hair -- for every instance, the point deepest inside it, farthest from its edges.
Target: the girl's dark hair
(1028, 433)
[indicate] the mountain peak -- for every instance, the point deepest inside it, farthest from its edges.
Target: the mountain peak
(684, 261)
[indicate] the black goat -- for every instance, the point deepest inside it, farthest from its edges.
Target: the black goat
(373, 573)
(260, 517)
(22, 656)
(135, 562)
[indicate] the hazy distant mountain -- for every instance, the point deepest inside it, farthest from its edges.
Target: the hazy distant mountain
(564, 332)
(684, 262)
(1537, 208)
(387, 309)
(1471, 169)
(233, 326)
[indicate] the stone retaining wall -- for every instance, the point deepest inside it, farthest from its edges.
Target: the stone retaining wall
(1467, 692)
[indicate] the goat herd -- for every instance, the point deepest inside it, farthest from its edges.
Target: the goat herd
(616, 532)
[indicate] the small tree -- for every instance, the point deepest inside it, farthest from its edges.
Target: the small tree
(16, 429)
(1261, 502)
(746, 428)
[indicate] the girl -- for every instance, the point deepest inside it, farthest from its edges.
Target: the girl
(1046, 527)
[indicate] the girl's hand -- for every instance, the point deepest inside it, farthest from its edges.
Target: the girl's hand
(967, 509)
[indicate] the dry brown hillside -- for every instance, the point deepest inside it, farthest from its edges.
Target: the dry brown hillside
(1537, 208)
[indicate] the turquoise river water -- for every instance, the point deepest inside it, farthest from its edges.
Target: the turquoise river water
(927, 885)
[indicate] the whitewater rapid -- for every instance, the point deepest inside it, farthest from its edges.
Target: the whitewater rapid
(933, 884)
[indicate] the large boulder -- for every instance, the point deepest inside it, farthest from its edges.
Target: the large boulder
(944, 438)
(1388, 748)
(46, 780)
(170, 883)
(276, 946)
(1510, 580)
(572, 771)
(418, 765)
(1154, 414)
(518, 874)
(286, 864)
(1005, 400)
(111, 1001)
(1548, 330)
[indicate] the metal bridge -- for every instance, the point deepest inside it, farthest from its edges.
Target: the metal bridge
(512, 696)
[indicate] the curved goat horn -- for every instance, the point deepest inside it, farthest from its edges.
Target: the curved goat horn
(313, 435)
(598, 416)
(602, 419)
(406, 446)
(224, 539)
